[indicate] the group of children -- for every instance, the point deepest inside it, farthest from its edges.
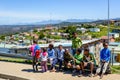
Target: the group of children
(78, 61)
(62, 56)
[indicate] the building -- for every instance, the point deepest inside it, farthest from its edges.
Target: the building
(83, 30)
(115, 35)
(117, 24)
(94, 29)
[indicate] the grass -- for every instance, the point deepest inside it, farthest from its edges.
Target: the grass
(115, 69)
(17, 60)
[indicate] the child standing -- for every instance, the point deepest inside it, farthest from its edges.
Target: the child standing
(44, 56)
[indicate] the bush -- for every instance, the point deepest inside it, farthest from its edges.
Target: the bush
(55, 37)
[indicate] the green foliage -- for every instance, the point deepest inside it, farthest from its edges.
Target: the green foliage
(35, 30)
(70, 30)
(103, 32)
(2, 37)
(115, 69)
(117, 39)
(16, 39)
(54, 37)
(16, 60)
(41, 35)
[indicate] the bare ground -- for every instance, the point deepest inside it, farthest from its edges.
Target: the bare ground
(25, 71)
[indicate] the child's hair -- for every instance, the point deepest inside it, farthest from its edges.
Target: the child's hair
(86, 49)
(74, 33)
(51, 45)
(35, 41)
(79, 50)
(60, 46)
(44, 49)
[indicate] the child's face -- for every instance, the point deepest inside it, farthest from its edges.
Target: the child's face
(75, 35)
(77, 52)
(60, 47)
(86, 52)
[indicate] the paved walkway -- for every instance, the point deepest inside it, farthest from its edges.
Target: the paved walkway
(25, 71)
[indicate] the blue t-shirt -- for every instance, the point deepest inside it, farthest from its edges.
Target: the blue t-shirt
(105, 54)
(51, 53)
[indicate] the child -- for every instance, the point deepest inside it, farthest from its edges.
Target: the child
(60, 55)
(78, 61)
(67, 59)
(35, 52)
(89, 61)
(51, 57)
(44, 56)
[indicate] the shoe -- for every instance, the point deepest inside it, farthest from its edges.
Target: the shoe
(80, 74)
(95, 75)
(52, 70)
(101, 76)
(90, 75)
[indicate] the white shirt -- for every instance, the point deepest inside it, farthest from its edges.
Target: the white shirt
(44, 58)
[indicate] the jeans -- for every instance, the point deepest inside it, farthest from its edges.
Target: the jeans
(103, 67)
(55, 61)
(73, 51)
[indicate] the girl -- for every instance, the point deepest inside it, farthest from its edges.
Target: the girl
(44, 56)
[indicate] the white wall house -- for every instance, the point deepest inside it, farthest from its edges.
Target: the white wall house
(83, 30)
(94, 29)
(115, 35)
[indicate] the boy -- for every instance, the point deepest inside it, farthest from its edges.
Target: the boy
(88, 60)
(76, 43)
(78, 57)
(104, 60)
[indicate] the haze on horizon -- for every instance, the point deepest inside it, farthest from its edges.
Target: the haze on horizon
(27, 11)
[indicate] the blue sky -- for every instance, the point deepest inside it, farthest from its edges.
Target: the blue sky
(21, 11)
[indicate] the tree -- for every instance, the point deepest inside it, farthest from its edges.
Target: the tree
(117, 39)
(35, 30)
(41, 35)
(2, 37)
(70, 30)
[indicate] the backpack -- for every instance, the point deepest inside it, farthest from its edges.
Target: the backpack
(37, 51)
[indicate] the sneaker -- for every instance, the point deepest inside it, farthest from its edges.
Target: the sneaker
(90, 75)
(80, 74)
(101, 76)
(52, 70)
(95, 75)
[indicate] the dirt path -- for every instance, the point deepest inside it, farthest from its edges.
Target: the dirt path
(25, 71)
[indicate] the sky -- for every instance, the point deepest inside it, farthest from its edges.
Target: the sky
(27, 11)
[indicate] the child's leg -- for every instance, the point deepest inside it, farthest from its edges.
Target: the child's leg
(45, 66)
(42, 65)
(60, 64)
(54, 62)
(82, 66)
(33, 63)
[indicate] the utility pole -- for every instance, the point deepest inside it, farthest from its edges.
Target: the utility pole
(108, 20)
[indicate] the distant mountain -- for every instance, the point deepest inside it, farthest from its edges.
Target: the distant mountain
(79, 20)
(117, 19)
(59, 21)
(49, 22)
